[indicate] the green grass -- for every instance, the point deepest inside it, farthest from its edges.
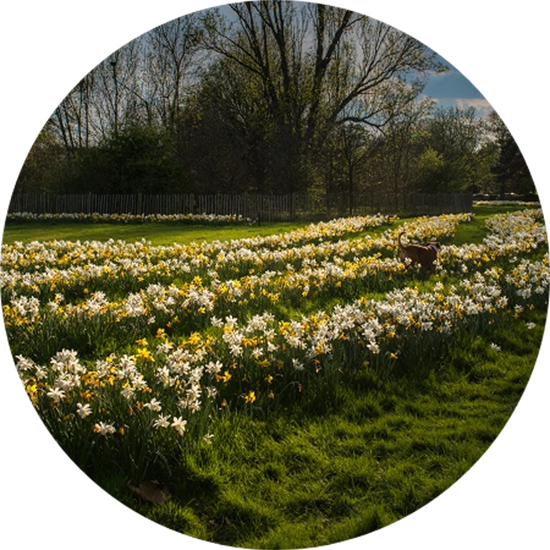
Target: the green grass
(376, 451)
(157, 233)
(341, 463)
(170, 233)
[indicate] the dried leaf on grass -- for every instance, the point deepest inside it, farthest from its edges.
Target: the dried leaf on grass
(150, 491)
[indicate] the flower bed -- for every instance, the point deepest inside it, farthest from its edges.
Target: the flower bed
(137, 349)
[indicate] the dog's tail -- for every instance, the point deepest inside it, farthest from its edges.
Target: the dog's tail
(401, 245)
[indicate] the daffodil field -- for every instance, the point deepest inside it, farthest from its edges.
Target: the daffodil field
(131, 353)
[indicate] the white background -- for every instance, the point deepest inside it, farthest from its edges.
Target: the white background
(376, 7)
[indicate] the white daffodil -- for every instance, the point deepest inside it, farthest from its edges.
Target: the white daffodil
(194, 406)
(297, 365)
(154, 405)
(163, 421)
(231, 321)
(164, 348)
(214, 367)
(104, 429)
(215, 322)
(179, 424)
(128, 393)
(83, 410)
(211, 391)
(56, 394)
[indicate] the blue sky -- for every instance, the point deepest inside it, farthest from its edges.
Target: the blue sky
(451, 88)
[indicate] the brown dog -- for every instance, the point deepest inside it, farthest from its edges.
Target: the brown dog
(423, 255)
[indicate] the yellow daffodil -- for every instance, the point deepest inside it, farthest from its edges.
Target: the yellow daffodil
(225, 377)
(145, 354)
(250, 397)
(195, 339)
(86, 395)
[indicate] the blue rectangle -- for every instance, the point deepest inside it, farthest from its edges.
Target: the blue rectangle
(509, 47)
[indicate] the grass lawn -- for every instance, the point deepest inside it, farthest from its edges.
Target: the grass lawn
(346, 460)
(170, 233)
(158, 233)
(359, 459)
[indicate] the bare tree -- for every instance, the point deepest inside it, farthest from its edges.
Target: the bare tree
(401, 148)
(319, 65)
(171, 56)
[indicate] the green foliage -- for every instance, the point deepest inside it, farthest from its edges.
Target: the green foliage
(434, 172)
(45, 166)
(140, 159)
(510, 169)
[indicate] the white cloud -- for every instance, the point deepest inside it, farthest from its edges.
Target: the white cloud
(480, 104)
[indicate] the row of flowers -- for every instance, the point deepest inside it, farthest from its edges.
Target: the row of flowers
(58, 254)
(96, 217)
(45, 269)
(332, 276)
(497, 202)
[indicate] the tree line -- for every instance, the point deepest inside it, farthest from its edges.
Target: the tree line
(270, 97)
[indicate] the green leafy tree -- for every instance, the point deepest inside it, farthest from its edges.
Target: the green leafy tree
(435, 174)
(140, 159)
(454, 151)
(45, 164)
(510, 169)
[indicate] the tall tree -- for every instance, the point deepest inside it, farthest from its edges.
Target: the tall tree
(453, 150)
(317, 66)
(171, 52)
(510, 169)
(400, 148)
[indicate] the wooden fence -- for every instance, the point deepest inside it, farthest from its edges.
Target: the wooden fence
(253, 206)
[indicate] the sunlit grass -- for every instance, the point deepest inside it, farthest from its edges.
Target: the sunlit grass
(378, 450)
(156, 233)
(169, 233)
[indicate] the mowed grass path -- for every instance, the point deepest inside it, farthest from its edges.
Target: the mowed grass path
(346, 462)
(168, 233)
